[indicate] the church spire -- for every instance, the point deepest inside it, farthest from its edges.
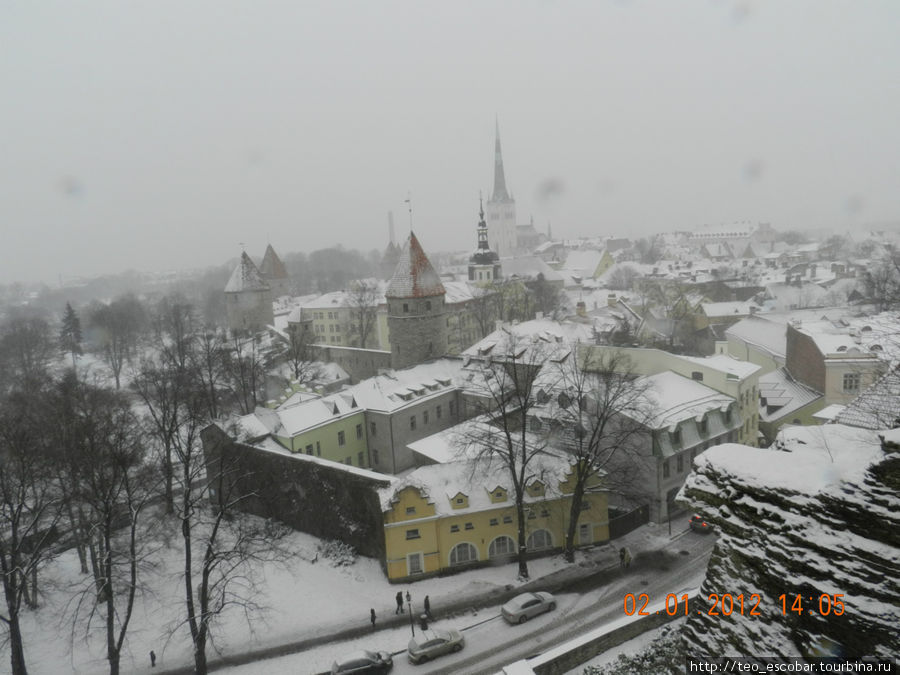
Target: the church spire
(500, 193)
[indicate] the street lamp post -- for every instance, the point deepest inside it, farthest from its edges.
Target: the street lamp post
(412, 623)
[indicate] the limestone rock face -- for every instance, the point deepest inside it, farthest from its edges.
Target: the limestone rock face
(820, 516)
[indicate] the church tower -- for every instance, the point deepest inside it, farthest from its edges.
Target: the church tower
(484, 265)
(501, 208)
(417, 323)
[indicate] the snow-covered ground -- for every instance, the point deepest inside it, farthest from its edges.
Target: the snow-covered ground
(304, 599)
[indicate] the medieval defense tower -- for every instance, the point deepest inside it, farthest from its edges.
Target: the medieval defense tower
(417, 323)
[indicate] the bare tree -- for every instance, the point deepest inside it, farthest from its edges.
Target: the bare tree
(222, 547)
(119, 324)
(114, 482)
(298, 351)
(363, 302)
(244, 371)
(26, 349)
(503, 390)
(29, 513)
(209, 367)
(601, 412)
(882, 283)
(622, 278)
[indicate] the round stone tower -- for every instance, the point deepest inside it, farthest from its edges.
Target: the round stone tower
(417, 323)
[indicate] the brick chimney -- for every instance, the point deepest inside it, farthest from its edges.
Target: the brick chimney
(612, 300)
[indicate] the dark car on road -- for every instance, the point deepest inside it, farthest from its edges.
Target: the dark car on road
(699, 525)
(363, 661)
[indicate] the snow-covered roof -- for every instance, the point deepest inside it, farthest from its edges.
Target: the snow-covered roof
(729, 309)
(398, 388)
(878, 407)
(726, 364)
(783, 395)
(675, 398)
(414, 276)
(442, 482)
(769, 335)
(528, 267)
(245, 277)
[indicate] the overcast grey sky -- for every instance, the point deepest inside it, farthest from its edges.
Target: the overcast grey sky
(160, 135)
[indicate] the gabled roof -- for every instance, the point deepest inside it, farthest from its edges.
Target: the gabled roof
(414, 276)
(271, 266)
(246, 277)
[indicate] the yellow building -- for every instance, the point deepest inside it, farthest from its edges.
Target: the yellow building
(451, 516)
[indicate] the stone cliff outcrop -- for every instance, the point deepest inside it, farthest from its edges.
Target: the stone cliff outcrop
(818, 517)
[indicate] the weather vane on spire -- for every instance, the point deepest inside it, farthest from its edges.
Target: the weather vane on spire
(408, 202)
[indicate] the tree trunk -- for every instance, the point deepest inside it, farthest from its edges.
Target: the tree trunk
(16, 648)
(522, 557)
(574, 515)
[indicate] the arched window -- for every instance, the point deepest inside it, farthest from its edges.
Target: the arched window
(538, 540)
(501, 547)
(463, 553)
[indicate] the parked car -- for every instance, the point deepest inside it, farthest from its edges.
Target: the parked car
(434, 643)
(527, 605)
(699, 525)
(363, 661)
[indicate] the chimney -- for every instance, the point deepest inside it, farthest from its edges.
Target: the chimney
(580, 308)
(538, 315)
(612, 300)
(498, 324)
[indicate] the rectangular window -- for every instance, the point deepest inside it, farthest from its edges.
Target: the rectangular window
(341, 438)
(425, 417)
(584, 533)
(697, 375)
(507, 519)
(412, 422)
(318, 449)
(851, 383)
(666, 469)
(679, 464)
(676, 437)
(374, 456)
(703, 426)
(452, 408)
(309, 449)
(348, 461)
(372, 428)
(405, 308)
(360, 457)
(494, 522)
(470, 526)
(438, 412)
(545, 513)
(414, 561)
(454, 528)
(359, 430)
(412, 534)
(410, 510)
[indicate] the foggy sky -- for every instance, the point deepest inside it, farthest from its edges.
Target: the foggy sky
(160, 135)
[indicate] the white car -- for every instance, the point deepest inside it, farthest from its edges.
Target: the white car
(434, 643)
(527, 605)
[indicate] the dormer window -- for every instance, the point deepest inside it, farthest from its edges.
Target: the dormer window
(702, 426)
(675, 435)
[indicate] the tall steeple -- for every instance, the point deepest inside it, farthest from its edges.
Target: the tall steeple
(500, 193)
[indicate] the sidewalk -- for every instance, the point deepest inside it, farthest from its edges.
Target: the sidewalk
(597, 565)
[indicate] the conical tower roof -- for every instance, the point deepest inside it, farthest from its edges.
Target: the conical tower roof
(414, 276)
(500, 192)
(246, 277)
(271, 266)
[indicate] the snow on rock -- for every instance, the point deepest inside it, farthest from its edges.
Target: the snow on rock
(821, 516)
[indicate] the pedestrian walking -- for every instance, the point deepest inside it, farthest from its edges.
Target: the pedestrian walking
(626, 559)
(428, 609)
(622, 558)
(399, 599)
(372, 614)
(152, 659)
